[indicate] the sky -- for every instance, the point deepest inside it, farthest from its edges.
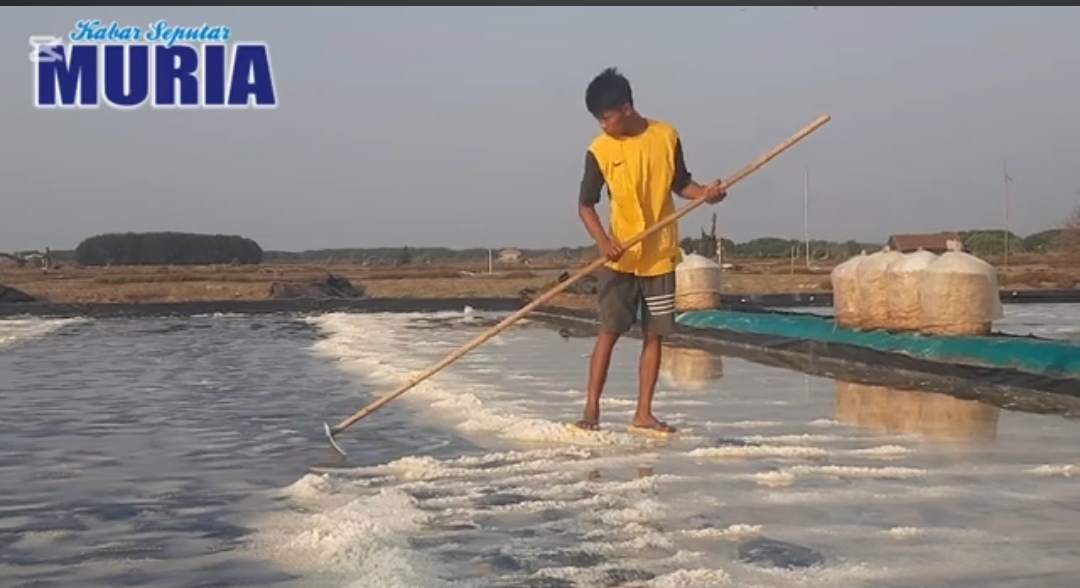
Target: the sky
(466, 126)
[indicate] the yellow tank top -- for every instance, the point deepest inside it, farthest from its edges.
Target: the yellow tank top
(639, 172)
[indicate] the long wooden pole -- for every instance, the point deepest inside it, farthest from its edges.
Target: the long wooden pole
(593, 266)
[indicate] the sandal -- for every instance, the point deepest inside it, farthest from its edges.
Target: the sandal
(585, 425)
(656, 428)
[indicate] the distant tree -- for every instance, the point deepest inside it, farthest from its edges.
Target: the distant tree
(1044, 241)
(990, 242)
(1069, 238)
(707, 245)
(167, 248)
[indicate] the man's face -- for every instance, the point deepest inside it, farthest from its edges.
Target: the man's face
(614, 122)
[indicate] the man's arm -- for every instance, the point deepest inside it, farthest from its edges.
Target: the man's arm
(684, 184)
(592, 183)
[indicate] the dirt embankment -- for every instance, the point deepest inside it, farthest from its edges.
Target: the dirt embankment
(159, 284)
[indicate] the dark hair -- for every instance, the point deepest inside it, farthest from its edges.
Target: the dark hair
(608, 91)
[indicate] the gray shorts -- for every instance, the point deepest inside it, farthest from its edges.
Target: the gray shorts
(622, 296)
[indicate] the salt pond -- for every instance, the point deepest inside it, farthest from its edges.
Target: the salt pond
(187, 452)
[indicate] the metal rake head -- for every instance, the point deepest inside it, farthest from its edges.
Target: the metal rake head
(330, 437)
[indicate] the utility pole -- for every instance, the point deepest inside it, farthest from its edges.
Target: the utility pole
(806, 213)
(1005, 235)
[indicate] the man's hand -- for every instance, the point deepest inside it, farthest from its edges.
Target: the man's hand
(715, 192)
(610, 249)
(712, 193)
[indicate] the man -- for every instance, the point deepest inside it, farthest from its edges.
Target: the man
(640, 160)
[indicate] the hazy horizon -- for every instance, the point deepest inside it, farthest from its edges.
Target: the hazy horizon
(556, 247)
(465, 126)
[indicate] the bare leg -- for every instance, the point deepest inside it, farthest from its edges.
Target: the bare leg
(648, 372)
(598, 370)
(658, 314)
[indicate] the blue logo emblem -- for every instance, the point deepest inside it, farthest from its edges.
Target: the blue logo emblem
(163, 65)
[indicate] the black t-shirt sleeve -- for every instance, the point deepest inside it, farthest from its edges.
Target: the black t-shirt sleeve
(592, 182)
(682, 176)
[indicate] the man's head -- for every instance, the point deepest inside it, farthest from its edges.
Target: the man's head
(611, 102)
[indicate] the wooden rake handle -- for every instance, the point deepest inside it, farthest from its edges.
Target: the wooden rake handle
(600, 261)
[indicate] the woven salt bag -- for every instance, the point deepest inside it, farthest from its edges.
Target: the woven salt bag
(697, 283)
(902, 282)
(845, 289)
(873, 294)
(959, 296)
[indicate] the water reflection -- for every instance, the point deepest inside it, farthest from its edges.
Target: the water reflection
(690, 369)
(953, 423)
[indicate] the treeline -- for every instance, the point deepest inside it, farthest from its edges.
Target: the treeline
(174, 248)
(413, 255)
(979, 242)
(992, 242)
(774, 248)
(167, 248)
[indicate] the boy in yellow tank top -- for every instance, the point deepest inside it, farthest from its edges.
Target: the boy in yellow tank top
(640, 160)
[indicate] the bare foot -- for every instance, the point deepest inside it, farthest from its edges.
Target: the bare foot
(653, 424)
(587, 425)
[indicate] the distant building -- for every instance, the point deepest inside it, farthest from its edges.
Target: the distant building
(932, 242)
(510, 255)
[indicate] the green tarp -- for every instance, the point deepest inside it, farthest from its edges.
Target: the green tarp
(1034, 356)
